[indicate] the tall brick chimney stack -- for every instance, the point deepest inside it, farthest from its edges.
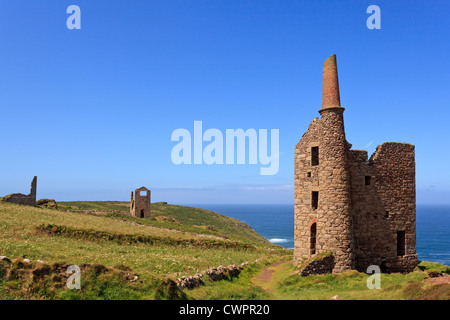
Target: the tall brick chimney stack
(330, 90)
(334, 180)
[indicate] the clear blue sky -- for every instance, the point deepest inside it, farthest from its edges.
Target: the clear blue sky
(91, 111)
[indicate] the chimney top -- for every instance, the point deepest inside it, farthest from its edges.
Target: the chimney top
(330, 90)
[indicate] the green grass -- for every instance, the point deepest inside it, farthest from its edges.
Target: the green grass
(95, 205)
(19, 238)
(237, 288)
(158, 251)
(192, 220)
(433, 267)
(98, 283)
(350, 285)
(123, 238)
(153, 249)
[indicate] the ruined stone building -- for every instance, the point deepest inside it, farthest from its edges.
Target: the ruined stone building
(140, 203)
(362, 210)
(29, 200)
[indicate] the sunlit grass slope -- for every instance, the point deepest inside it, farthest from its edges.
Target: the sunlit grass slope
(19, 237)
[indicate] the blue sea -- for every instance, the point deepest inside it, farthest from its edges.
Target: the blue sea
(276, 223)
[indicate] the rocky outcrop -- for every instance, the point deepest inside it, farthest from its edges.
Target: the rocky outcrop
(47, 203)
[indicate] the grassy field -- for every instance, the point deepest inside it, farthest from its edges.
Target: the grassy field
(191, 220)
(274, 279)
(19, 238)
(184, 241)
(113, 247)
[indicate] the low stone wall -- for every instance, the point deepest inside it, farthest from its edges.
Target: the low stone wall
(320, 264)
(20, 198)
(212, 274)
(403, 264)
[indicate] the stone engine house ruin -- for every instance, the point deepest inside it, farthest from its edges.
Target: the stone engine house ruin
(362, 210)
(140, 203)
(29, 200)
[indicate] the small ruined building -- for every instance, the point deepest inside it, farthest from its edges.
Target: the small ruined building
(29, 200)
(140, 203)
(361, 210)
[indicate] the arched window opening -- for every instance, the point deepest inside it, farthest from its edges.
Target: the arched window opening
(312, 238)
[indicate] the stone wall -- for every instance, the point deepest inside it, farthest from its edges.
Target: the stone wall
(29, 200)
(140, 204)
(387, 207)
(212, 274)
(320, 264)
(349, 205)
(330, 178)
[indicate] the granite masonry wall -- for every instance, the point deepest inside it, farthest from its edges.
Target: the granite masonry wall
(361, 210)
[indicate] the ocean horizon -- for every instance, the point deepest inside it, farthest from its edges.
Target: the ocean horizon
(275, 222)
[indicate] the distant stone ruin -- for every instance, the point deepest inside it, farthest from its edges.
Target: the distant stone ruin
(140, 203)
(29, 200)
